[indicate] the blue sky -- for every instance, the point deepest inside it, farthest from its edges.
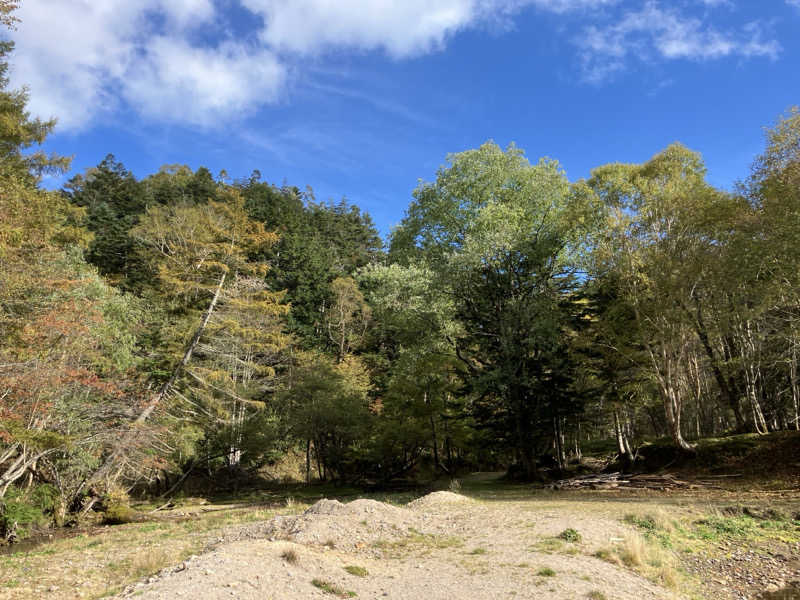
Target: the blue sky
(361, 98)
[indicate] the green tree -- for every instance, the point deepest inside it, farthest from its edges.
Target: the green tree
(664, 225)
(113, 200)
(329, 408)
(413, 322)
(196, 253)
(505, 235)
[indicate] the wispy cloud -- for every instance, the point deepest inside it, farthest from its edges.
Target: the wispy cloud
(377, 102)
(653, 32)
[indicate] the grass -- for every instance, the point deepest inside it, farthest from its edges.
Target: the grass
(546, 572)
(290, 556)
(147, 563)
(646, 557)
(416, 540)
(331, 588)
(113, 557)
(356, 570)
(477, 551)
(596, 595)
(548, 545)
(727, 525)
(570, 535)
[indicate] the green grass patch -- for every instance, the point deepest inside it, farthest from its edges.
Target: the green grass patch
(546, 572)
(330, 588)
(655, 528)
(548, 545)
(356, 570)
(570, 535)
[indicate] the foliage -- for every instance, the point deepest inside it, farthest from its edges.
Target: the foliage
(504, 235)
(151, 326)
(570, 535)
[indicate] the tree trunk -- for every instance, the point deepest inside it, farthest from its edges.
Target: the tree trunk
(726, 389)
(623, 447)
(672, 409)
(795, 390)
(308, 462)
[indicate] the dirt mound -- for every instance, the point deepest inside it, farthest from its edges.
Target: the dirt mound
(448, 547)
(358, 525)
(360, 507)
(437, 499)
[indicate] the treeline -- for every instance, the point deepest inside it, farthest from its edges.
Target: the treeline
(153, 327)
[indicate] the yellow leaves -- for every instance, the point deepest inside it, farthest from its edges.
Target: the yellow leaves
(354, 374)
(35, 220)
(191, 245)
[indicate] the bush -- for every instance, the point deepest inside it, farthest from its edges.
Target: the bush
(119, 514)
(570, 535)
(19, 513)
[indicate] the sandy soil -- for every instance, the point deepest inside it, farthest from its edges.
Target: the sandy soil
(442, 546)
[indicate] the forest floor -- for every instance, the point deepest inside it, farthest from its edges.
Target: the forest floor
(490, 540)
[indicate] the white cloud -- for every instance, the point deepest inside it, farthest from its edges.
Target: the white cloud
(179, 82)
(81, 58)
(401, 28)
(407, 28)
(84, 58)
(654, 32)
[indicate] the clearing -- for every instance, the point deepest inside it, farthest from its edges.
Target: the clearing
(489, 540)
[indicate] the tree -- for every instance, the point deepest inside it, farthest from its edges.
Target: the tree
(347, 317)
(664, 223)
(193, 251)
(114, 201)
(413, 320)
(66, 339)
(230, 387)
(504, 234)
(328, 407)
(18, 131)
(319, 243)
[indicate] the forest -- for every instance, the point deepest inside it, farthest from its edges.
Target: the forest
(156, 327)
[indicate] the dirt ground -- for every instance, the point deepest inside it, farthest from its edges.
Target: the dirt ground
(497, 540)
(441, 546)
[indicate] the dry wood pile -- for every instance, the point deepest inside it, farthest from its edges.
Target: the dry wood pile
(603, 481)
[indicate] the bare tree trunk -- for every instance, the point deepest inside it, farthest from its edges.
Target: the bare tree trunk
(558, 444)
(795, 390)
(578, 453)
(308, 462)
(623, 447)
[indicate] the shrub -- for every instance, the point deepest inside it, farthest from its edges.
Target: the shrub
(119, 514)
(570, 535)
(18, 514)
